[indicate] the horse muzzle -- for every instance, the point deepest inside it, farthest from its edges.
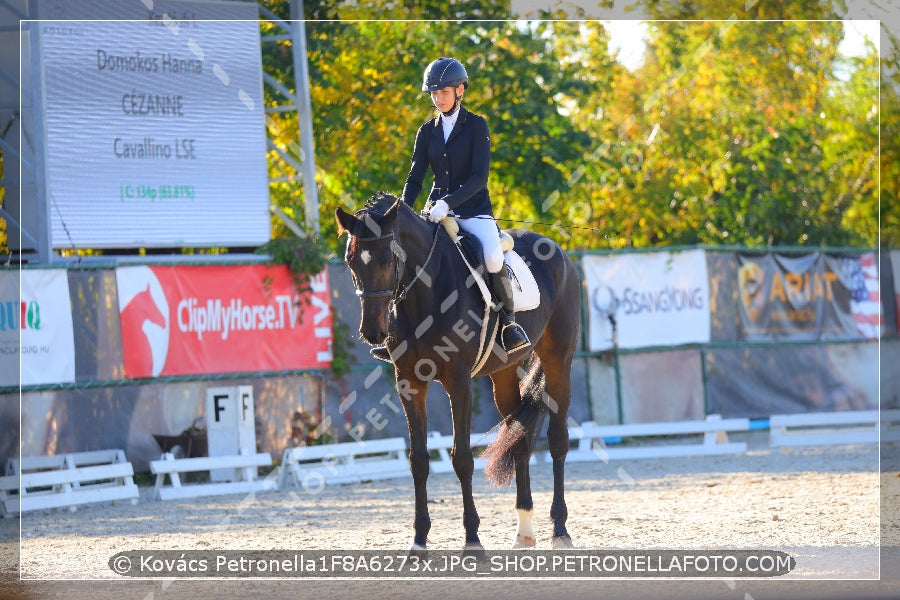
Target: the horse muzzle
(373, 325)
(375, 339)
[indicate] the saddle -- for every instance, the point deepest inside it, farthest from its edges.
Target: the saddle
(526, 295)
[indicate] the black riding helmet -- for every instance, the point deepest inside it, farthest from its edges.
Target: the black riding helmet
(444, 72)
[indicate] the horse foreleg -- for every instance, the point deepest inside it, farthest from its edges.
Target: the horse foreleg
(412, 397)
(460, 392)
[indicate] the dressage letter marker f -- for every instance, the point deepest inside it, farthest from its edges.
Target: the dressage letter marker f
(217, 406)
(244, 408)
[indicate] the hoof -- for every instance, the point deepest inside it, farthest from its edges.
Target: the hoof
(561, 542)
(524, 541)
(474, 549)
(418, 551)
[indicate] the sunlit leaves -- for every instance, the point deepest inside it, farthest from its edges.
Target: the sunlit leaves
(732, 132)
(738, 151)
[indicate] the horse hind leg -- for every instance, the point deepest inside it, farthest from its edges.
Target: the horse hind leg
(511, 450)
(558, 440)
(525, 537)
(556, 395)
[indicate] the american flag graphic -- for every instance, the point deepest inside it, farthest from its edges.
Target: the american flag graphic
(865, 298)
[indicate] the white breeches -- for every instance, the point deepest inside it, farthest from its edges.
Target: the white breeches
(485, 229)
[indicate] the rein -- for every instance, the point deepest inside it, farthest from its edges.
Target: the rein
(521, 222)
(402, 295)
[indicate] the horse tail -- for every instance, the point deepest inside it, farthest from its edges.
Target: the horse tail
(519, 431)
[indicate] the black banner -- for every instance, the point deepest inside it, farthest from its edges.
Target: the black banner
(808, 297)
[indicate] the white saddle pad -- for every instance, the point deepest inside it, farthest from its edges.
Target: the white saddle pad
(526, 295)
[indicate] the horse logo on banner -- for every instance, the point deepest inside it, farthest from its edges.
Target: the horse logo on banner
(144, 317)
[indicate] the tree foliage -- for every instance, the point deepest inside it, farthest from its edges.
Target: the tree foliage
(889, 210)
(731, 132)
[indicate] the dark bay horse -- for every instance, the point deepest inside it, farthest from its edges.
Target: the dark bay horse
(418, 298)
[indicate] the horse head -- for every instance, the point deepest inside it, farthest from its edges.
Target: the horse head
(375, 260)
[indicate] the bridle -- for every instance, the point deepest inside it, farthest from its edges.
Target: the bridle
(397, 270)
(397, 294)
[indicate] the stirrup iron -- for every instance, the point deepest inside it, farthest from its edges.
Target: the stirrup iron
(381, 353)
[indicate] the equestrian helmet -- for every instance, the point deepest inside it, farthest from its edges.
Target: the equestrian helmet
(444, 72)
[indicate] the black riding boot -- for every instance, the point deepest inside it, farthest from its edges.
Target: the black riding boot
(512, 335)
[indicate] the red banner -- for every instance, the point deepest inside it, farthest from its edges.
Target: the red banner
(185, 320)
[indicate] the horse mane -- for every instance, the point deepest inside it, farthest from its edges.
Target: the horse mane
(379, 204)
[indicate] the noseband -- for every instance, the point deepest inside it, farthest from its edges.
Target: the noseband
(396, 293)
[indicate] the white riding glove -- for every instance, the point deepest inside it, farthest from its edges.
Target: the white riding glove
(438, 212)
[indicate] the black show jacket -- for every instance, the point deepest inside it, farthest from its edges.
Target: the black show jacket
(460, 165)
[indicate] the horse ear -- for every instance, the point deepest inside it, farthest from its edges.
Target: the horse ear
(345, 221)
(390, 217)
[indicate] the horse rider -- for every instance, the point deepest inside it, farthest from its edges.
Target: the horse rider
(456, 145)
